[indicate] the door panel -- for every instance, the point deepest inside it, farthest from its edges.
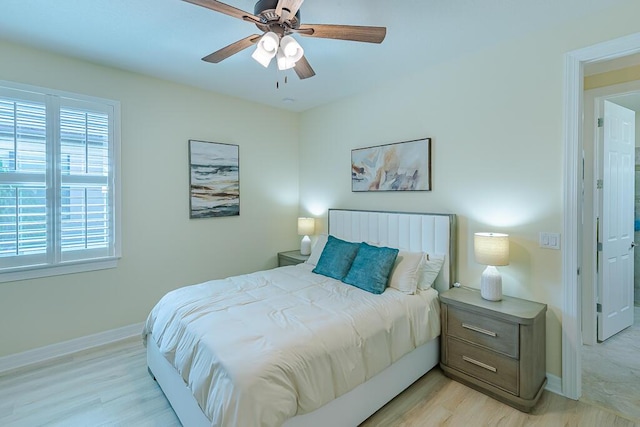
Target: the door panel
(615, 278)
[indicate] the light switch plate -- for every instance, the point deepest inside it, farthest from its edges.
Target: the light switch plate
(549, 240)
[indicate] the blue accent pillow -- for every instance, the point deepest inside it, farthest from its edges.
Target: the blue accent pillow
(371, 268)
(336, 258)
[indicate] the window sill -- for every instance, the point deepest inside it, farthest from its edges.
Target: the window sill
(57, 270)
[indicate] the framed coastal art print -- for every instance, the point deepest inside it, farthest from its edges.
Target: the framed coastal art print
(401, 166)
(214, 179)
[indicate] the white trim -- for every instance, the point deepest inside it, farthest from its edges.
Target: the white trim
(53, 351)
(554, 384)
(589, 225)
(39, 91)
(570, 318)
(573, 91)
(116, 184)
(56, 270)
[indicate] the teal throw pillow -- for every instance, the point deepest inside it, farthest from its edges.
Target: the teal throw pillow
(336, 258)
(371, 268)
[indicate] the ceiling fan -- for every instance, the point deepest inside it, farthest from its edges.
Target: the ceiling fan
(278, 20)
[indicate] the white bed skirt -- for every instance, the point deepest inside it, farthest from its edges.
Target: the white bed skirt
(348, 410)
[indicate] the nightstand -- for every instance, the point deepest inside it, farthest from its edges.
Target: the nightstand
(496, 347)
(291, 258)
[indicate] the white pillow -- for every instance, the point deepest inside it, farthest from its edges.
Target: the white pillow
(317, 249)
(406, 271)
(430, 269)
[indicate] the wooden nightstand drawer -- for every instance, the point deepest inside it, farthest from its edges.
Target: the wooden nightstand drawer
(282, 261)
(496, 369)
(485, 331)
(497, 347)
(291, 258)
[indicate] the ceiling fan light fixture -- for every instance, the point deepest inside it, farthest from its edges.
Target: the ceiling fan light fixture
(280, 18)
(291, 48)
(266, 49)
(289, 53)
(284, 63)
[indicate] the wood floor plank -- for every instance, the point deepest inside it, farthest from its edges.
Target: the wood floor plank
(110, 386)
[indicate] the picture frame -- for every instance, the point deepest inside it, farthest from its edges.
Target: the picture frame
(214, 179)
(399, 166)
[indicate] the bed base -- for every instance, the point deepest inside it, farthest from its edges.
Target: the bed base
(348, 410)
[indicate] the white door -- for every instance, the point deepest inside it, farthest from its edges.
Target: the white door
(615, 272)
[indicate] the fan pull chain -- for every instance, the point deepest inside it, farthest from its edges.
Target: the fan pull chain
(278, 82)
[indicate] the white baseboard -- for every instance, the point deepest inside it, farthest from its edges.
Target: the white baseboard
(49, 352)
(554, 384)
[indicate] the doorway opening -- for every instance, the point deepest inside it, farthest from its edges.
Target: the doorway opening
(597, 258)
(615, 387)
(572, 256)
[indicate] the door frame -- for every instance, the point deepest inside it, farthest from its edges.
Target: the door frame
(592, 98)
(573, 145)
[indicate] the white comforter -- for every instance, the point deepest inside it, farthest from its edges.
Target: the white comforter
(260, 348)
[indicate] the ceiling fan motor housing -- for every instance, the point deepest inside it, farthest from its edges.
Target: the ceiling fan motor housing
(266, 11)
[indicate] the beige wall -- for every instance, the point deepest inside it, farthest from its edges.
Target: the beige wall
(162, 249)
(496, 122)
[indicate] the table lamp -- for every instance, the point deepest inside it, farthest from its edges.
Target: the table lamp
(491, 249)
(306, 227)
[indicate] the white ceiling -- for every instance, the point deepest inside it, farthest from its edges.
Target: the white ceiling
(167, 38)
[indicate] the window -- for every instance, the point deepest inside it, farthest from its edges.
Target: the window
(58, 182)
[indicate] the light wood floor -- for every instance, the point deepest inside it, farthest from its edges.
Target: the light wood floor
(111, 387)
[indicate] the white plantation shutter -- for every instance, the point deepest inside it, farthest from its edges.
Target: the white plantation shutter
(57, 181)
(23, 201)
(85, 209)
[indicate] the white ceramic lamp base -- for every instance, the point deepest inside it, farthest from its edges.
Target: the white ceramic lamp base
(305, 246)
(491, 284)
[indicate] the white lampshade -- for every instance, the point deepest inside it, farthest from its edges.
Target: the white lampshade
(284, 63)
(266, 48)
(306, 226)
(491, 249)
(289, 53)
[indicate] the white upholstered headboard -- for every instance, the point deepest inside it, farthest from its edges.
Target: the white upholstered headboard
(416, 232)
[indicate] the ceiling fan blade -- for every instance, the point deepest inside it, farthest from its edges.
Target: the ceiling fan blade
(226, 9)
(291, 5)
(344, 32)
(303, 69)
(232, 49)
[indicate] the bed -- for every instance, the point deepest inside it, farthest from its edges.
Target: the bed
(320, 353)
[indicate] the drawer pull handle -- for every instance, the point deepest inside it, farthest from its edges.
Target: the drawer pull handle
(482, 365)
(478, 329)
